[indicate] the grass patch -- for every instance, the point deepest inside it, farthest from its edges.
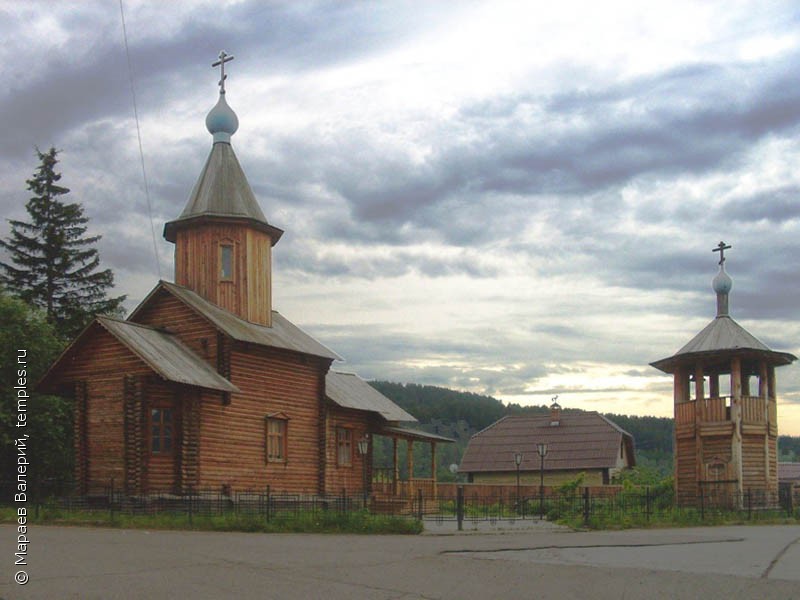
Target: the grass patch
(281, 522)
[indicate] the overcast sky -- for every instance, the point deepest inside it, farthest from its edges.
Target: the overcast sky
(517, 199)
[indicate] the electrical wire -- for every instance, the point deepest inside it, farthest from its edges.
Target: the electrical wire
(139, 137)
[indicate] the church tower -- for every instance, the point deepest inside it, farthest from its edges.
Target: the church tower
(725, 397)
(223, 242)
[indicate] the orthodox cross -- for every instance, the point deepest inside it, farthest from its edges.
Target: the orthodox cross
(223, 58)
(721, 247)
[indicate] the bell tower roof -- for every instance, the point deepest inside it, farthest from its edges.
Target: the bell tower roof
(222, 191)
(723, 336)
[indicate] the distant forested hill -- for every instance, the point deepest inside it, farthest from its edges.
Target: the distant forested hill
(459, 415)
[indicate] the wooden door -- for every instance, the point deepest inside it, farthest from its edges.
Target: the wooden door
(163, 439)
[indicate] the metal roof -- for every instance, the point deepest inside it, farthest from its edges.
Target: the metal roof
(166, 355)
(415, 434)
(159, 350)
(282, 334)
(584, 440)
(222, 191)
(348, 390)
(722, 335)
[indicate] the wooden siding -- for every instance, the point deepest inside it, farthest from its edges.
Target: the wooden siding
(167, 312)
(232, 437)
(104, 427)
(97, 369)
(345, 477)
(197, 266)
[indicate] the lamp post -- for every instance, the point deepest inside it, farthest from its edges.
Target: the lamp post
(518, 461)
(363, 448)
(541, 447)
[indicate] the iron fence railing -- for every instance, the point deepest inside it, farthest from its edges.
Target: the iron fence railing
(635, 505)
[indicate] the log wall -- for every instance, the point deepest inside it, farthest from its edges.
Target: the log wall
(232, 448)
(345, 477)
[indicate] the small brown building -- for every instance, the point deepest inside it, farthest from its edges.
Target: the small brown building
(205, 386)
(577, 442)
(726, 417)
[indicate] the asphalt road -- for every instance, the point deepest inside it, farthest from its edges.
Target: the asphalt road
(726, 562)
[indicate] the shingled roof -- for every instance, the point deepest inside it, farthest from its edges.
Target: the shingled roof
(789, 471)
(581, 440)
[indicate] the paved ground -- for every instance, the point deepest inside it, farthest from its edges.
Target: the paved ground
(729, 562)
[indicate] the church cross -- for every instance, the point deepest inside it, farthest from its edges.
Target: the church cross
(721, 247)
(223, 58)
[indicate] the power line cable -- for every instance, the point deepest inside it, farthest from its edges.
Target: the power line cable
(139, 137)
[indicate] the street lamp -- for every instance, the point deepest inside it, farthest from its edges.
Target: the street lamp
(541, 447)
(363, 448)
(518, 461)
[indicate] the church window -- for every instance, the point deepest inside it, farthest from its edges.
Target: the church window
(344, 447)
(226, 262)
(276, 439)
(161, 430)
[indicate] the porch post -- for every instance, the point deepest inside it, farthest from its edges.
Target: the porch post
(410, 459)
(433, 467)
(395, 467)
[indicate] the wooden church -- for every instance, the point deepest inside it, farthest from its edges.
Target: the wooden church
(726, 419)
(205, 386)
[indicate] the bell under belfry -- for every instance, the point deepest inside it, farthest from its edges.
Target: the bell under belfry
(725, 400)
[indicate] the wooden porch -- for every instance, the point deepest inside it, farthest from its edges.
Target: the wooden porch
(387, 483)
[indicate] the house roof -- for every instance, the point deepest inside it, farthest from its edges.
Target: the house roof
(348, 390)
(721, 336)
(222, 192)
(282, 334)
(789, 471)
(161, 351)
(585, 440)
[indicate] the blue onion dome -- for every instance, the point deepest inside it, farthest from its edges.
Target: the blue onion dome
(722, 283)
(221, 121)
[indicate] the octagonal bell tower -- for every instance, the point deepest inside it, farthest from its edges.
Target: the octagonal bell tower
(223, 242)
(726, 419)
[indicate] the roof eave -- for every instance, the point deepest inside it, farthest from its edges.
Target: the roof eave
(171, 227)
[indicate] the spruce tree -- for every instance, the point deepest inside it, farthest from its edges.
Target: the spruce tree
(54, 265)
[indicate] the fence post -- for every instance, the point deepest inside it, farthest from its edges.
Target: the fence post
(111, 500)
(419, 503)
(647, 503)
(586, 506)
(269, 501)
(460, 507)
(702, 505)
(749, 504)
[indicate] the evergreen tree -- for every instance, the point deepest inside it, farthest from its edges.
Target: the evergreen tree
(54, 264)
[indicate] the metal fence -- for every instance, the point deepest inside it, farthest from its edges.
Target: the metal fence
(579, 506)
